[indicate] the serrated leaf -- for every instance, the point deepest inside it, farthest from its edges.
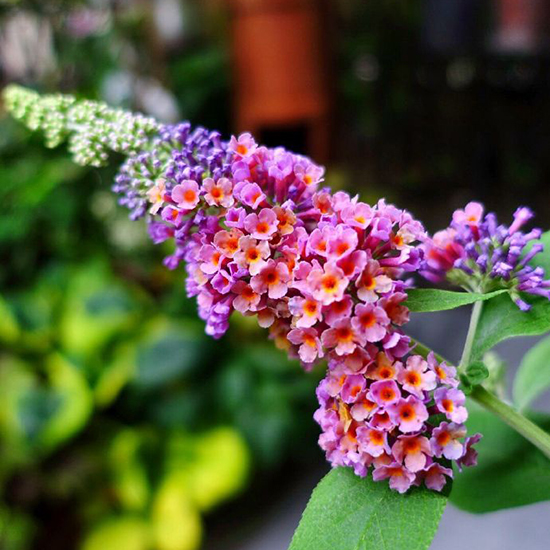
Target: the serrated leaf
(347, 512)
(502, 319)
(510, 472)
(533, 376)
(423, 300)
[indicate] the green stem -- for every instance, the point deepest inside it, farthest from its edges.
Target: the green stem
(470, 337)
(513, 418)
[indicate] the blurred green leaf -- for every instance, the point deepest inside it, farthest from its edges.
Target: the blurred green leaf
(219, 467)
(352, 513)
(168, 351)
(502, 319)
(121, 533)
(97, 308)
(130, 476)
(176, 521)
(75, 401)
(9, 328)
(533, 376)
(510, 472)
(115, 374)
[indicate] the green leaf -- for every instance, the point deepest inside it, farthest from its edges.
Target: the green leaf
(477, 372)
(422, 300)
(533, 376)
(168, 351)
(510, 472)
(347, 512)
(502, 319)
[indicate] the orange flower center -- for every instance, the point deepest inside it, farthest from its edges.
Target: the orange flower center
(407, 413)
(329, 283)
(262, 227)
(387, 394)
(413, 378)
(190, 195)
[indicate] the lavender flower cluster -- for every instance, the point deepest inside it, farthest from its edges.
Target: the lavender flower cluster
(323, 272)
(477, 253)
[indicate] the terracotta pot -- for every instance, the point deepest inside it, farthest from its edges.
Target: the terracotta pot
(280, 68)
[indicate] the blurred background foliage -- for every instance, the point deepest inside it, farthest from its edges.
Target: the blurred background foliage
(121, 423)
(122, 426)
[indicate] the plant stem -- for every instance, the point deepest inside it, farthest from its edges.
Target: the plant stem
(470, 337)
(513, 418)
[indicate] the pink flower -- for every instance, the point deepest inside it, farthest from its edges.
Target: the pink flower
(234, 217)
(353, 264)
(400, 478)
(273, 279)
(342, 241)
(222, 281)
(384, 393)
(370, 321)
(211, 259)
(384, 368)
(372, 282)
(306, 311)
(308, 340)
(227, 242)
(243, 146)
(445, 440)
(261, 226)
(413, 450)
(357, 215)
(251, 194)
(373, 442)
(186, 194)
(445, 374)
(155, 195)
(318, 241)
(322, 201)
(246, 299)
(341, 337)
(252, 254)
(286, 219)
(409, 414)
(363, 409)
(434, 476)
(353, 387)
(218, 193)
(394, 308)
(309, 173)
(381, 420)
(338, 310)
(451, 403)
(415, 378)
(327, 284)
(471, 215)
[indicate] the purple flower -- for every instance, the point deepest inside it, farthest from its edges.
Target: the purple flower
(445, 440)
(451, 403)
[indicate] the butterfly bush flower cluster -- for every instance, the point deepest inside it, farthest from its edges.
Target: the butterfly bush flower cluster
(404, 418)
(479, 254)
(324, 272)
